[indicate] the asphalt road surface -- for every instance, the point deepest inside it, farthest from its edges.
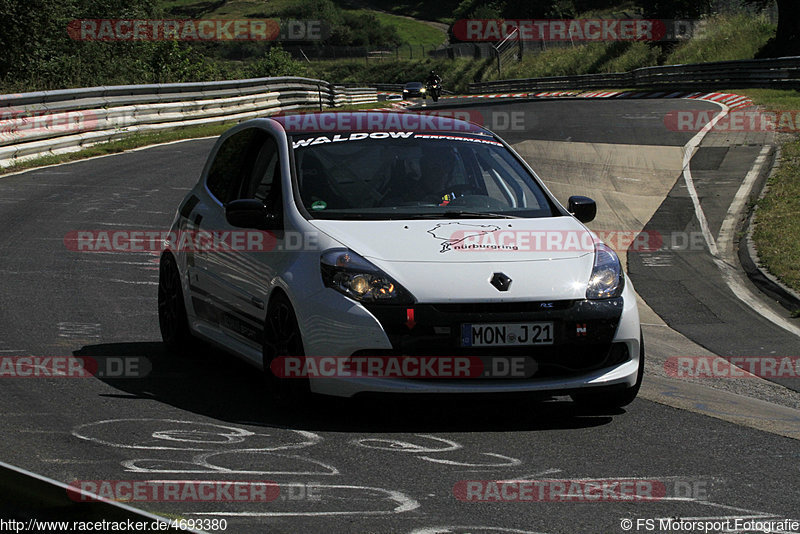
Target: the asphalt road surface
(393, 465)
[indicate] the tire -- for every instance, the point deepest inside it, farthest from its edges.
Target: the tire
(282, 338)
(172, 319)
(614, 399)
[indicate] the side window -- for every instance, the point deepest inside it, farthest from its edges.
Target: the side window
(265, 172)
(264, 180)
(232, 164)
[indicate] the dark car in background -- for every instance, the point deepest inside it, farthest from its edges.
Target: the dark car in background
(414, 90)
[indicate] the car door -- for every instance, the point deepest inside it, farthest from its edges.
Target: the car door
(237, 267)
(202, 215)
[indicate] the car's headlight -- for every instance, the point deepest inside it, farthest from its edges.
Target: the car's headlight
(423, 90)
(607, 280)
(350, 274)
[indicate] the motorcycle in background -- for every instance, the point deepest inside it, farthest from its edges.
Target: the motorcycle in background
(434, 89)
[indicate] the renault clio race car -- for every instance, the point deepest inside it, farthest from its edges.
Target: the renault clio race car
(343, 238)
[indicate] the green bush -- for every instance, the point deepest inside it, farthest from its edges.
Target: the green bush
(723, 38)
(276, 62)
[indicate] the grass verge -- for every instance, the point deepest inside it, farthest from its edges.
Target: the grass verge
(776, 231)
(776, 226)
(724, 38)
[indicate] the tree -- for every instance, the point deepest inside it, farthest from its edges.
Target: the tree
(787, 38)
(675, 9)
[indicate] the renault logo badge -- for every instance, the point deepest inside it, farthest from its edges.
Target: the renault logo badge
(500, 281)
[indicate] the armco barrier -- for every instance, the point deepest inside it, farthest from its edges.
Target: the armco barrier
(52, 122)
(770, 73)
(26, 497)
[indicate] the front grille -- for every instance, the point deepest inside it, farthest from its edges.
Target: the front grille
(562, 361)
(583, 332)
(580, 322)
(503, 307)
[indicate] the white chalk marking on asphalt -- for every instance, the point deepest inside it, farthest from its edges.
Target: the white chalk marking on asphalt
(746, 514)
(737, 509)
(127, 225)
(80, 330)
(394, 445)
(508, 463)
(133, 282)
(200, 465)
(203, 459)
(232, 435)
(533, 476)
(657, 260)
(111, 262)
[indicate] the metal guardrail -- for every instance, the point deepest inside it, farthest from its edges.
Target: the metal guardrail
(771, 73)
(393, 87)
(380, 86)
(27, 498)
(52, 122)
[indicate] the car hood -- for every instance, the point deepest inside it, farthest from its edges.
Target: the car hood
(547, 258)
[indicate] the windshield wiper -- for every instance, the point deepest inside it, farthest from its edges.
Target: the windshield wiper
(450, 214)
(462, 215)
(329, 215)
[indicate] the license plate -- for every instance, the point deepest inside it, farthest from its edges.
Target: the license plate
(506, 334)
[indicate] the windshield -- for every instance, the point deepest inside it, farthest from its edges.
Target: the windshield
(408, 175)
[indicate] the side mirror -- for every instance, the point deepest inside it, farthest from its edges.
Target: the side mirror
(583, 208)
(250, 213)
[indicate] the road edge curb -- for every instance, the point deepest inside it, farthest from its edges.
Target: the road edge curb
(768, 284)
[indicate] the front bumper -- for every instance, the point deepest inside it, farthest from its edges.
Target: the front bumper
(596, 344)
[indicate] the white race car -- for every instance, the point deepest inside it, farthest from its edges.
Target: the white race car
(396, 253)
